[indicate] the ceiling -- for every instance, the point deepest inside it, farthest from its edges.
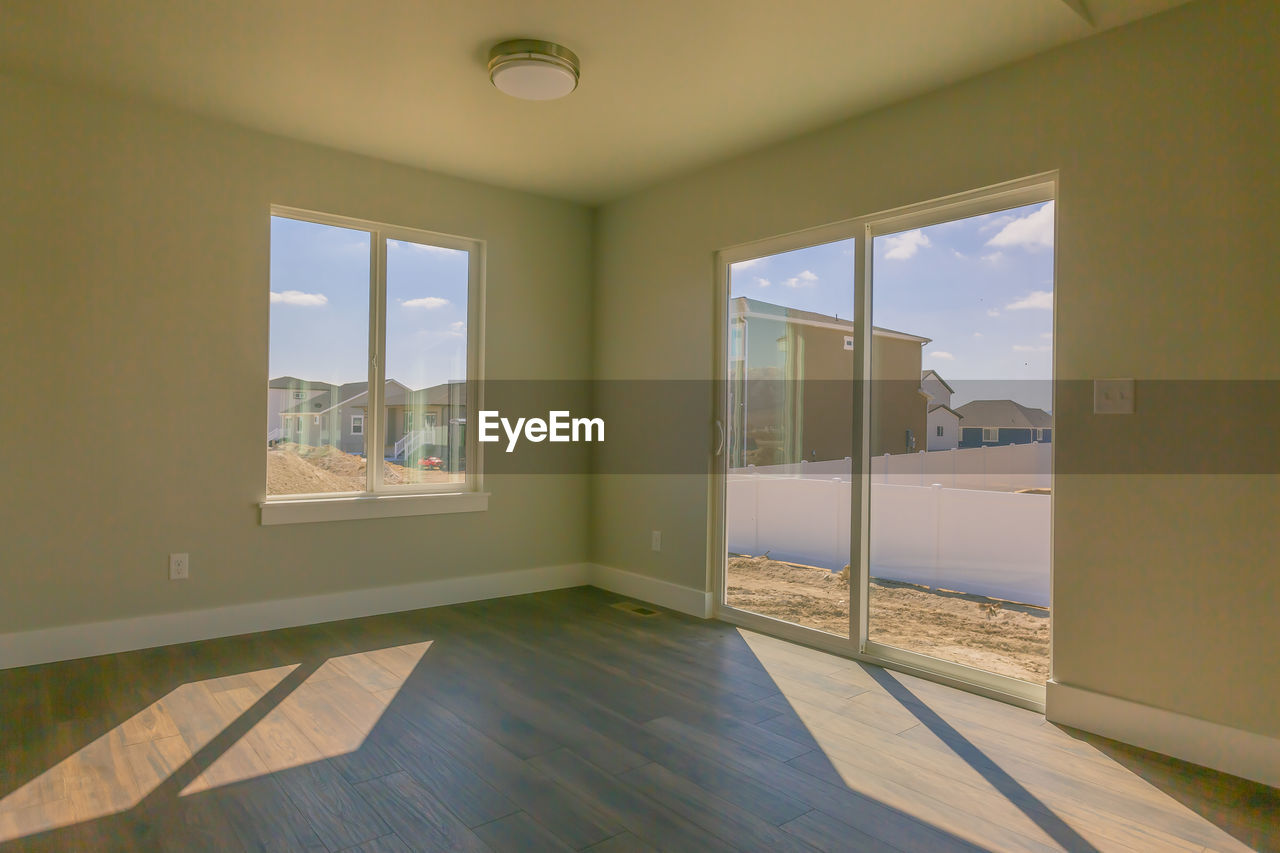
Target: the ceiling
(667, 85)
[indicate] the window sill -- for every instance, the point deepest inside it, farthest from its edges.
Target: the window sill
(353, 507)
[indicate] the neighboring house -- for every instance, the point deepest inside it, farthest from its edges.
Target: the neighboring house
(943, 425)
(286, 392)
(994, 422)
(775, 421)
(416, 424)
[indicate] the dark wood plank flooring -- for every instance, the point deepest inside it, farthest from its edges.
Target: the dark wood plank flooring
(559, 722)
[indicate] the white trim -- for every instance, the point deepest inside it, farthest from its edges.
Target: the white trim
(143, 632)
(355, 418)
(686, 599)
(1230, 750)
(349, 507)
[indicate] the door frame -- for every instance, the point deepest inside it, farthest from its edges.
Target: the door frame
(1029, 190)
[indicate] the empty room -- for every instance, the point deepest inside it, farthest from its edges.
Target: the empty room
(826, 425)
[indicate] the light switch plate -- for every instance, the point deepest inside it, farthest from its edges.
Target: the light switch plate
(1113, 396)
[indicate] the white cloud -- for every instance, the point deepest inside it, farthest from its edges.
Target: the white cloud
(959, 254)
(977, 334)
(992, 221)
(804, 279)
(423, 247)
(428, 302)
(905, 245)
(942, 354)
(1042, 299)
(1023, 348)
(1048, 336)
(743, 266)
(763, 282)
(1033, 231)
(297, 297)
(994, 257)
(991, 312)
(458, 329)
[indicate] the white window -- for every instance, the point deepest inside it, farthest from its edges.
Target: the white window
(990, 434)
(299, 395)
(351, 302)
(315, 419)
(940, 432)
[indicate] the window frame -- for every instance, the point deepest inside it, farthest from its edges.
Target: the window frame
(354, 431)
(380, 499)
(993, 431)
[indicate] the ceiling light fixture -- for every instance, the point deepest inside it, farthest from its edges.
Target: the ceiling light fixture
(532, 69)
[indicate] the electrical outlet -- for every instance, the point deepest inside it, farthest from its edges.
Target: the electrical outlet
(1113, 397)
(179, 566)
(655, 540)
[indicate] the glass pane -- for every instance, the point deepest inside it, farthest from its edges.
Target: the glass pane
(790, 435)
(961, 363)
(319, 358)
(425, 409)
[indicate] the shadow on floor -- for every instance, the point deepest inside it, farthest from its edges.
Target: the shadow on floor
(549, 721)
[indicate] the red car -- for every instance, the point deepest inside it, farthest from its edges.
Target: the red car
(431, 463)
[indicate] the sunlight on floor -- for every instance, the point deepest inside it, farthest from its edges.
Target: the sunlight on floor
(960, 756)
(329, 714)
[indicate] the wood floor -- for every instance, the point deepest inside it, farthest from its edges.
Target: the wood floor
(558, 721)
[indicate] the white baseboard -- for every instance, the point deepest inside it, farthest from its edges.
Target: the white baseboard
(1235, 751)
(686, 599)
(143, 632)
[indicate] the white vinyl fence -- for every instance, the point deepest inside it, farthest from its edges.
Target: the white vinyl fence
(1006, 468)
(983, 542)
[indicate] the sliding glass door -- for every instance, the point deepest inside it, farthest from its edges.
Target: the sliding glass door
(886, 408)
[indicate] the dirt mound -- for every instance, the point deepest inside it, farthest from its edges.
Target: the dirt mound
(291, 474)
(1002, 637)
(294, 469)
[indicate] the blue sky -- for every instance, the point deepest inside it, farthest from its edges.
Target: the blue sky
(981, 288)
(320, 306)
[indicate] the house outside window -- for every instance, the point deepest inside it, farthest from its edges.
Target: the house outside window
(351, 303)
(940, 432)
(990, 434)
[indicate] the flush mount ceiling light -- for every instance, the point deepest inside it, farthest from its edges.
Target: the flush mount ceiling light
(532, 69)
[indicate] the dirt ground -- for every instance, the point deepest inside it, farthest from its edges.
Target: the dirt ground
(294, 469)
(1001, 637)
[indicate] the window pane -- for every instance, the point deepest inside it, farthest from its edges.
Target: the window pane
(425, 416)
(319, 358)
(790, 435)
(959, 526)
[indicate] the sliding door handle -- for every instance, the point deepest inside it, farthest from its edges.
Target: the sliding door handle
(719, 437)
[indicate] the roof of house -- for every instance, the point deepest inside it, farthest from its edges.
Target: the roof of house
(396, 394)
(293, 383)
(937, 406)
(747, 307)
(925, 375)
(1004, 413)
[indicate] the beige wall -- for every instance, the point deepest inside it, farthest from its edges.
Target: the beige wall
(1164, 132)
(896, 401)
(133, 339)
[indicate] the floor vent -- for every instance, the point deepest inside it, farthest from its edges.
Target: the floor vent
(636, 609)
